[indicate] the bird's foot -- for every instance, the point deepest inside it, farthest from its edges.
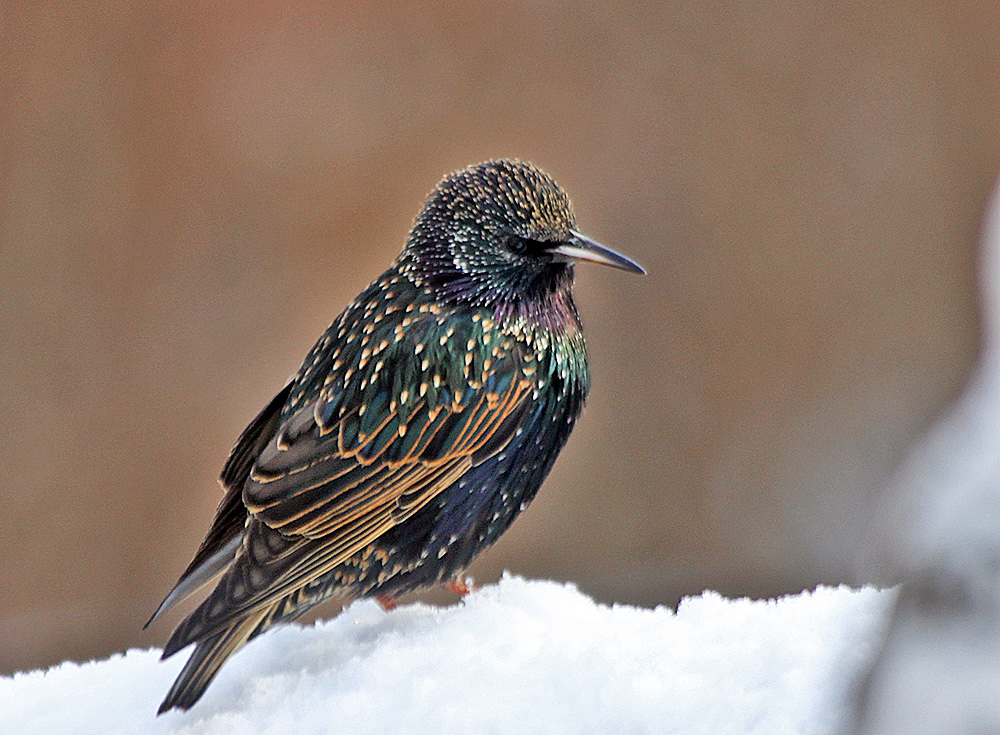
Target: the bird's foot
(387, 602)
(461, 587)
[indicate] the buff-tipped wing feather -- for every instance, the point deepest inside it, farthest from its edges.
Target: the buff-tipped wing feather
(220, 544)
(320, 493)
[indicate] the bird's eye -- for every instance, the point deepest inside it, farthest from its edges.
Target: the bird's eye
(517, 245)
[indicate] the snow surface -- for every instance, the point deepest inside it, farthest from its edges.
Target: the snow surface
(940, 668)
(516, 657)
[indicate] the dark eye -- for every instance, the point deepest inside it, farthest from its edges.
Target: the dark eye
(526, 245)
(517, 245)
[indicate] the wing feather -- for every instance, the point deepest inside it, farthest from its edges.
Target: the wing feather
(349, 465)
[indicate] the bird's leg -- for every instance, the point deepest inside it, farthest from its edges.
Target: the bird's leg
(461, 587)
(387, 602)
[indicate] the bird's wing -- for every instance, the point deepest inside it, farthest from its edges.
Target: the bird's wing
(387, 434)
(328, 468)
(223, 538)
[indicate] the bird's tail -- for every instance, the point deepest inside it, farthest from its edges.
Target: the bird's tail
(206, 660)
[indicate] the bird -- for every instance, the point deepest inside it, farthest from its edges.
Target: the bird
(421, 423)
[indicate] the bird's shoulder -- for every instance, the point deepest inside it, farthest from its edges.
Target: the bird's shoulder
(398, 339)
(400, 394)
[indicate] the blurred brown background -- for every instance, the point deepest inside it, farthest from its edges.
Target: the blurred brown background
(192, 191)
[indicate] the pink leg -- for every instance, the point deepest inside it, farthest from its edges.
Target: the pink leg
(460, 586)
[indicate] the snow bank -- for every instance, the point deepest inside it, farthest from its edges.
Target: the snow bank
(516, 657)
(940, 669)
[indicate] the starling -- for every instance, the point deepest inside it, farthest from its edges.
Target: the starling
(418, 427)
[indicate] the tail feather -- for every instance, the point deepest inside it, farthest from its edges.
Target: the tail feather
(206, 660)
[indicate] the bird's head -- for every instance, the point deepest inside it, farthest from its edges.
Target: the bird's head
(500, 232)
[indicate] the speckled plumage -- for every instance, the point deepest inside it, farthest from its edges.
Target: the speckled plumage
(420, 424)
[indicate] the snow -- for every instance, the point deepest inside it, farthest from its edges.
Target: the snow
(516, 657)
(940, 668)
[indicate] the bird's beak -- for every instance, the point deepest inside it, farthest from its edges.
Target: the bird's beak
(581, 247)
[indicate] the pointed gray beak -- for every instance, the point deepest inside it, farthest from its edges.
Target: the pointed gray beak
(581, 247)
